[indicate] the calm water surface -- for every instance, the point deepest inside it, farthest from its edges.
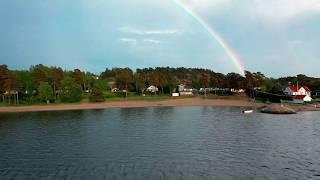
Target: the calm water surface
(159, 143)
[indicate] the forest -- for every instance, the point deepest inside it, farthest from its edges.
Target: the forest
(44, 84)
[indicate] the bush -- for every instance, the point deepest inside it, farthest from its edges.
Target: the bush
(120, 94)
(276, 98)
(96, 96)
(70, 91)
(45, 92)
(109, 94)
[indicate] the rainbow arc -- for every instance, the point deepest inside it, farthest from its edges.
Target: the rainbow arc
(214, 34)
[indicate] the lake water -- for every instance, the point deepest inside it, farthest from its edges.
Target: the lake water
(159, 143)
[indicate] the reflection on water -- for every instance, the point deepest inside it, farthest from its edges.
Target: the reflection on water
(159, 143)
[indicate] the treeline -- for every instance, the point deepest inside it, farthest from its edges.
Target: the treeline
(53, 84)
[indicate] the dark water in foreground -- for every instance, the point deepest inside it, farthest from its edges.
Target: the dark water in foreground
(159, 143)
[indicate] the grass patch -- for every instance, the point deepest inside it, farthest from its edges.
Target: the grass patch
(153, 98)
(229, 97)
(132, 96)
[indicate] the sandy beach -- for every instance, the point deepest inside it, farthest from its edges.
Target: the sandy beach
(130, 104)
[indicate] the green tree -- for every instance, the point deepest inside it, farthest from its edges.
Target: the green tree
(140, 80)
(125, 77)
(162, 78)
(9, 85)
(39, 74)
(315, 86)
(26, 80)
(171, 81)
(235, 81)
(56, 75)
(155, 79)
(15, 88)
(4, 79)
(45, 92)
(78, 77)
(70, 90)
(89, 80)
(276, 89)
(96, 95)
(259, 79)
(220, 80)
(100, 84)
(249, 84)
(204, 82)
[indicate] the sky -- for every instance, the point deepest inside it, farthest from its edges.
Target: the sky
(276, 37)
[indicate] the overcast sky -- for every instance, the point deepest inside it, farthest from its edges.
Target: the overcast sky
(277, 37)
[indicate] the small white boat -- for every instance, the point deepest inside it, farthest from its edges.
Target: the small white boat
(249, 111)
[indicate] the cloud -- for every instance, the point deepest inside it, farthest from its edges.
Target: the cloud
(284, 10)
(266, 10)
(153, 41)
(128, 40)
(131, 30)
(137, 41)
(207, 5)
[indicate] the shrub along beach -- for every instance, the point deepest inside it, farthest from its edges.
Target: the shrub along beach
(52, 88)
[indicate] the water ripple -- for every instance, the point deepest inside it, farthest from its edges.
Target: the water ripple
(159, 143)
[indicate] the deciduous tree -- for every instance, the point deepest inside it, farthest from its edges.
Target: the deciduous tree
(56, 75)
(96, 95)
(78, 77)
(45, 92)
(70, 90)
(39, 75)
(4, 79)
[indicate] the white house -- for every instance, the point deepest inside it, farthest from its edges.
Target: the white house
(304, 90)
(152, 89)
(175, 94)
(114, 90)
(186, 93)
(297, 91)
(300, 99)
(181, 87)
(237, 90)
(183, 91)
(307, 98)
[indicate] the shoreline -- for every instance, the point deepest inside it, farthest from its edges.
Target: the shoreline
(143, 104)
(130, 104)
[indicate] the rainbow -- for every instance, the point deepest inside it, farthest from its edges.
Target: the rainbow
(230, 52)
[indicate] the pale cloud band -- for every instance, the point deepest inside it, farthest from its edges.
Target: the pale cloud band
(128, 40)
(153, 41)
(135, 41)
(267, 10)
(131, 30)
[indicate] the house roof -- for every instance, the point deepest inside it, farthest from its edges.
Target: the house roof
(300, 97)
(293, 88)
(306, 88)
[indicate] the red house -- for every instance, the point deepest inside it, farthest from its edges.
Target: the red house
(300, 94)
